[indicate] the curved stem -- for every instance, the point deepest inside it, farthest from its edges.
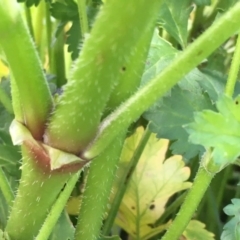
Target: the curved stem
(234, 68)
(147, 95)
(124, 183)
(190, 204)
(57, 208)
(5, 188)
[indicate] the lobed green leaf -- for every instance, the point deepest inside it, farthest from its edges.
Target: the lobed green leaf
(218, 130)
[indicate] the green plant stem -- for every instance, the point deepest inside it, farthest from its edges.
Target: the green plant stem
(194, 196)
(58, 60)
(100, 66)
(5, 188)
(234, 69)
(83, 17)
(222, 183)
(49, 34)
(57, 208)
(170, 209)
(29, 19)
(5, 100)
(124, 183)
(129, 111)
(35, 97)
(36, 194)
(97, 190)
(213, 221)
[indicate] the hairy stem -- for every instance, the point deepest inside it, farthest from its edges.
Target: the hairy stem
(124, 183)
(195, 194)
(97, 190)
(102, 63)
(234, 69)
(129, 111)
(57, 208)
(34, 94)
(36, 194)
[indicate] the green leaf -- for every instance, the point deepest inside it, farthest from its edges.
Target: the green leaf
(167, 118)
(63, 229)
(173, 17)
(68, 11)
(231, 228)
(214, 82)
(153, 182)
(196, 230)
(218, 130)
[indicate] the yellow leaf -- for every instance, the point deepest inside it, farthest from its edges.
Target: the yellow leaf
(154, 181)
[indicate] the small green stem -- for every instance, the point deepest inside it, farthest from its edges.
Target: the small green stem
(83, 17)
(190, 204)
(5, 100)
(49, 34)
(124, 183)
(234, 68)
(97, 190)
(29, 19)
(129, 111)
(170, 209)
(58, 60)
(5, 188)
(222, 183)
(57, 208)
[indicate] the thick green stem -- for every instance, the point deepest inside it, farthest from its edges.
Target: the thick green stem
(133, 71)
(97, 190)
(124, 183)
(190, 204)
(147, 95)
(5, 188)
(57, 209)
(102, 63)
(34, 94)
(234, 69)
(36, 194)
(83, 16)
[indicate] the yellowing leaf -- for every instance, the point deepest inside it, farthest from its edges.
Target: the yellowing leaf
(196, 231)
(153, 182)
